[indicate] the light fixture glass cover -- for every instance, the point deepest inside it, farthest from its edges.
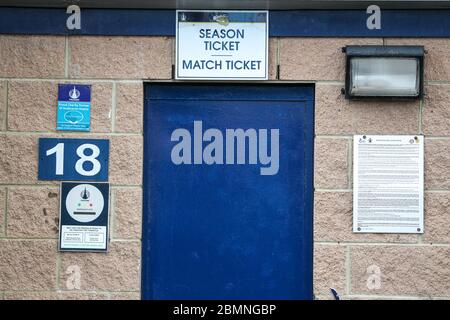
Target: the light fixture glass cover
(374, 71)
(384, 76)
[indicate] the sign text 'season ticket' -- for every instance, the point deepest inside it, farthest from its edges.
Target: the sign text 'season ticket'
(222, 45)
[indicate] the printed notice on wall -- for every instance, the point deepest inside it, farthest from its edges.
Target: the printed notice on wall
(221, 45)
(388, 184)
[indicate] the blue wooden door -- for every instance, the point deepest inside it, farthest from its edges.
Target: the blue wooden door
(228, 192)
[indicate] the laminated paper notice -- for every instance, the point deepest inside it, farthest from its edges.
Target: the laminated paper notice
(388, 184)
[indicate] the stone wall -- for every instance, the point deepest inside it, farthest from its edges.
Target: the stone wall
(411, 266)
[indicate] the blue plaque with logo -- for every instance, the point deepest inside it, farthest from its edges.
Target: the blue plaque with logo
(74, 107)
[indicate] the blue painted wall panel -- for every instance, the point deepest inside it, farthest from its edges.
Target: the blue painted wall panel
(93, 22)
(352, 23)
(301, 23)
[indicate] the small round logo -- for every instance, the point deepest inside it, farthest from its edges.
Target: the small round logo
(73, 116)
(74, 93)
(84, 203)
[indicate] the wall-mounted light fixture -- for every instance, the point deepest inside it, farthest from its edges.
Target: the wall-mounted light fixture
(384, 72)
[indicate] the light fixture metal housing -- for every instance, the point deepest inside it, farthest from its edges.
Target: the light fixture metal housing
(388, 72)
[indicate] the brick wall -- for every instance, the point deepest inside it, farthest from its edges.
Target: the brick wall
(411, 266)
(30, 69)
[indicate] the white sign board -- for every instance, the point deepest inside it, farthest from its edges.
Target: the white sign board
(222, 45)
(388, 184)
